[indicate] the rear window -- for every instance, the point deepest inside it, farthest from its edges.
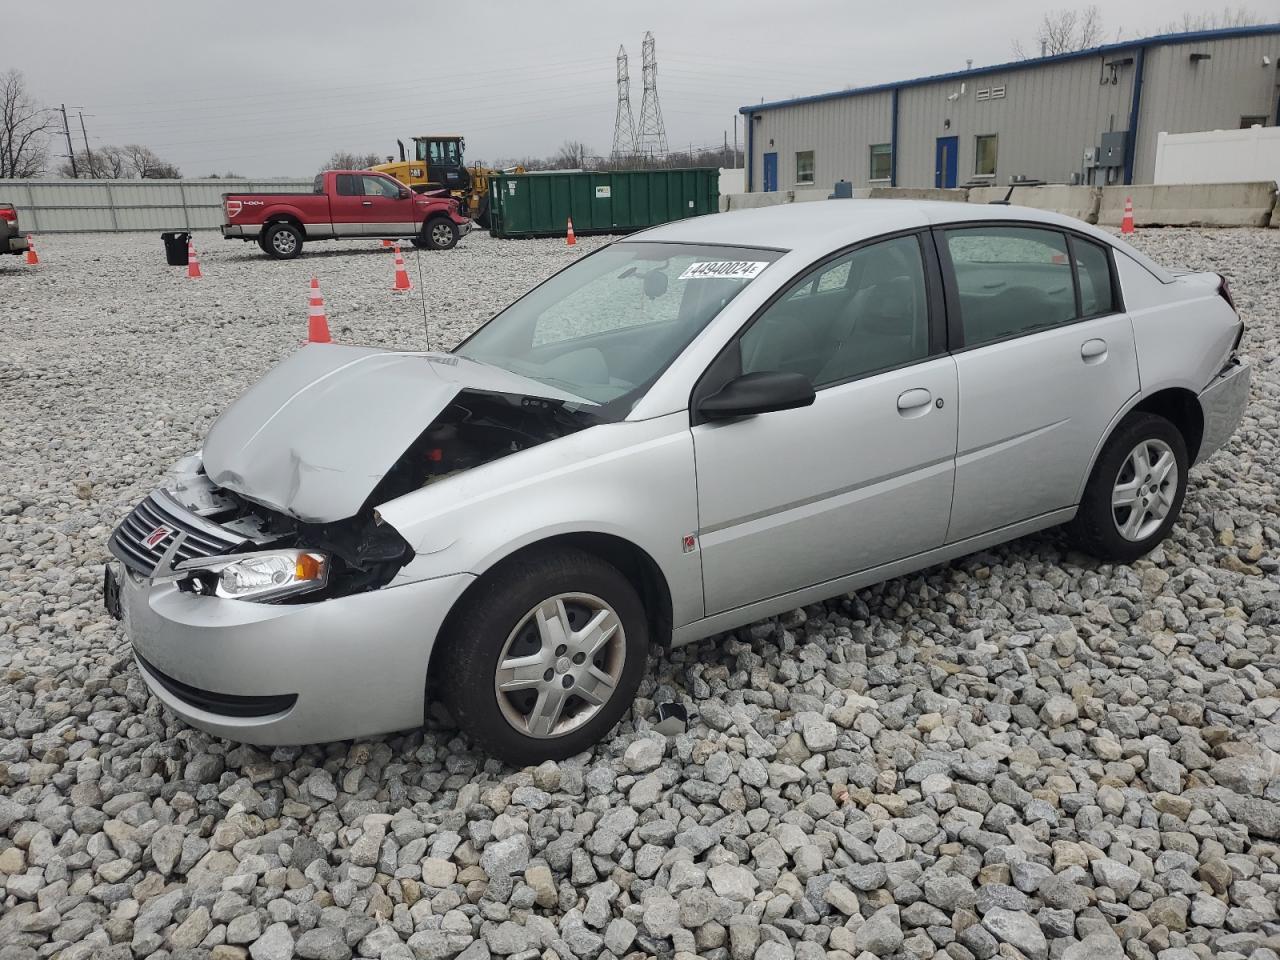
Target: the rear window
(1094, 270)
(1011, 281)
(317, 185)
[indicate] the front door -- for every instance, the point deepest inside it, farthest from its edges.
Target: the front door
(1046, 363)
(862, 477)
(770, 172)
(386, 212)
(945, 166)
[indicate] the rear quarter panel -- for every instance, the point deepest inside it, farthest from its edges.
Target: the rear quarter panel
(1183, 330)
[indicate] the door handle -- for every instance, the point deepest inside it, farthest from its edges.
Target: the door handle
(914, 403)
(366, 203)
(1093, 351)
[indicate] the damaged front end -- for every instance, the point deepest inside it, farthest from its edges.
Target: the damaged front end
(280, 507)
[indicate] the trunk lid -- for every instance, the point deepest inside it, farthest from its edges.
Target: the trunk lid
(314, 437)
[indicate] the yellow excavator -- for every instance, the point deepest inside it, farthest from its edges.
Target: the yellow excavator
(437, 164)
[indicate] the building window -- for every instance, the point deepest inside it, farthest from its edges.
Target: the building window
(804, 166)
(1247, 122)
(880, 157)
(984, 164)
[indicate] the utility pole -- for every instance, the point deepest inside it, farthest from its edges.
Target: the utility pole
(88, 154)
(71, 151)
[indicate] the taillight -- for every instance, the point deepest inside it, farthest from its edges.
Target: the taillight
(233, 208)
(1224, 291)
(8, 213)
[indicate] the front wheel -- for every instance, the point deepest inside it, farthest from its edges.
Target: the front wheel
(439, 234)
(545, 656)
(282, 241)
(1135, 492)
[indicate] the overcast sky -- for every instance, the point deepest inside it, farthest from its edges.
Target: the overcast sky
(272, 88)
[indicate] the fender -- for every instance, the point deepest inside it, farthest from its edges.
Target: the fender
(470, 522)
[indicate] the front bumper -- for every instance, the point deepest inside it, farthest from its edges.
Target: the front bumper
(1223, 403)
(286, 673)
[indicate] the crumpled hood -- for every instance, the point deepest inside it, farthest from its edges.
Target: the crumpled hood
(314, 437)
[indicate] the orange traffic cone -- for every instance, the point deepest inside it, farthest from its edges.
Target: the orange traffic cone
(402, 275)
(31, 251)
(193, 262)
(1126, 225)
(387, 243)
(569, 238)
(317, 324)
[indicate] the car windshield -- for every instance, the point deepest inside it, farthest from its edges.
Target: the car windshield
(606, 327)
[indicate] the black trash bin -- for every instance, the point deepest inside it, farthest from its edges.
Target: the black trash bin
(175, 247)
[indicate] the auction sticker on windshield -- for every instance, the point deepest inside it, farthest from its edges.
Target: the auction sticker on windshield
(724, 270)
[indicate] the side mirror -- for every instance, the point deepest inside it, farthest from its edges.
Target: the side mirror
(405, 194)
(761, 392)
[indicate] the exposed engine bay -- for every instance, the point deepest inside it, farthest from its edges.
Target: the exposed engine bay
(362, 552)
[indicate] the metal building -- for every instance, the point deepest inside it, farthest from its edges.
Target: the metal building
(1087, 117)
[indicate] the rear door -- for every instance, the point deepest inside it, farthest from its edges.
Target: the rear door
(346, 205)
(386, 212)
(1045, 358)
(862, 477)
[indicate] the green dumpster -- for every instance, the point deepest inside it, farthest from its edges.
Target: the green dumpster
(615, 201)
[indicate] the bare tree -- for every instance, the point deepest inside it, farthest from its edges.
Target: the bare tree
(572, 155)
(130, 162)
(345, 160)
(24, 126)
(1228, 16)
(1065, 31)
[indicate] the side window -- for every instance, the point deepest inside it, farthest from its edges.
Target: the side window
(867, 311)
(1011, 281)
(347, 185)
(1093, 268)
(380, 187)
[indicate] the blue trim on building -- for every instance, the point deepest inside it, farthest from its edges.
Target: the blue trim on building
(893, 143)
(750, 125)
(1131, 141)
(1161, 40)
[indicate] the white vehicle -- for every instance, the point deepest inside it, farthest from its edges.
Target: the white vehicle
(691, 429)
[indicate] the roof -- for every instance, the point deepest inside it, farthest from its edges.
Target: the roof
(1164, 39)
(815, 228)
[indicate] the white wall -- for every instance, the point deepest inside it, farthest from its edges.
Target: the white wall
(1218, 156)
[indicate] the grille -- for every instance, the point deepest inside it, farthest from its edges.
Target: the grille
(146, 534)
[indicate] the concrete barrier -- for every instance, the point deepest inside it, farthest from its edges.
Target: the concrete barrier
(1191, 204)
(1079, 202)
(955, 194)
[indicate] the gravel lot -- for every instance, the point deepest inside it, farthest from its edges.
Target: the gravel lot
(1023, 754)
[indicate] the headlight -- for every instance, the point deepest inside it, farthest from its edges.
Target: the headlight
(270, 575)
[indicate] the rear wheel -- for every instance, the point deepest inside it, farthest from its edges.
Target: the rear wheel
(545, 656)
(283, 241)
(1135, 492)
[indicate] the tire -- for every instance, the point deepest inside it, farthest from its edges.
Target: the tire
(440, 233)
(1107, 528)
(263, 245)
(282, 241)
(498, 623)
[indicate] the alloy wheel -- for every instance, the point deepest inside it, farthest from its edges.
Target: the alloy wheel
(560, 665)
(1144, 490)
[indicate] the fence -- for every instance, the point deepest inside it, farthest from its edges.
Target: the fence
(1218, 156)
(73, 206)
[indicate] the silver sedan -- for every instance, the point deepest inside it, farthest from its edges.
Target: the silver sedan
(691, 429)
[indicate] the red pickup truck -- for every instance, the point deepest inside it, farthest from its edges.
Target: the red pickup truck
(343, 205)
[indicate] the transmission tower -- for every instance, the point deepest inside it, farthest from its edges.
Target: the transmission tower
(652, 138)
(624, 127)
